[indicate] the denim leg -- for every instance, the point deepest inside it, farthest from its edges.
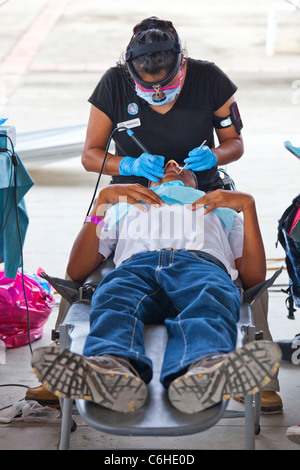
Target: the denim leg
(119, 307)
(207, 304)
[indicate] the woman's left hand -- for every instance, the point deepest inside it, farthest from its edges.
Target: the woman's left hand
(200, 159)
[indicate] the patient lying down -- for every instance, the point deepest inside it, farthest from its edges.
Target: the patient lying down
(177, 253)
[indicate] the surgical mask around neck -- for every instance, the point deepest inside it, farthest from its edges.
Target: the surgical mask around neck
(147, 95)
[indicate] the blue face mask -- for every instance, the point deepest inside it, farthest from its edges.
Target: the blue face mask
(147, 95)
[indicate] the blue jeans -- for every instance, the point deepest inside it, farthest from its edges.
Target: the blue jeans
(195, 298)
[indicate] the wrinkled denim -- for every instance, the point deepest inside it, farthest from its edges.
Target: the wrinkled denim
(193, 296)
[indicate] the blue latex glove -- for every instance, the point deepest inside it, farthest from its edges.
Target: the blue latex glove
(200, 159)
(149, 166)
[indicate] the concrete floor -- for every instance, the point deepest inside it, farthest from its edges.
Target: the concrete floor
(49, 86)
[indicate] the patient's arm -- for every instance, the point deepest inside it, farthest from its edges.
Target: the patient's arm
(252, 264)
(84, 256)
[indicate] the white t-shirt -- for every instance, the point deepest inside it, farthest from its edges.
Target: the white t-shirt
(172, 226)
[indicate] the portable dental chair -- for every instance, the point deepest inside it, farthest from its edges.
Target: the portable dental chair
(158, 417)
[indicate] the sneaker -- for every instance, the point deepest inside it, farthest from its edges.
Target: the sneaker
(271, 402)
(222, 376)
(107, 380)
(293, 433)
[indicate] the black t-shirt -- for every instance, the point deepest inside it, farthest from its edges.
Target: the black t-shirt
(184, 127)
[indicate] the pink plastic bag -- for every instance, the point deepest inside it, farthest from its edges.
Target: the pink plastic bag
(13, 312)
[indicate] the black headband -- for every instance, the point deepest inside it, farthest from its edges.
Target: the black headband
(157, 46)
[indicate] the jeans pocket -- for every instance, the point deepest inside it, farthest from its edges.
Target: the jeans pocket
(206, 259)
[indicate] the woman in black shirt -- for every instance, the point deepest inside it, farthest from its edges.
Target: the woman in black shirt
(172, 104)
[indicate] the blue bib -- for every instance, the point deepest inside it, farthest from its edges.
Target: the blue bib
(175, 192)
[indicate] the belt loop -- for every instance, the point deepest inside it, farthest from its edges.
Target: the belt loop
(160, 258)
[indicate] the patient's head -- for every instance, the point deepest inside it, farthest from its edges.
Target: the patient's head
(172, 170)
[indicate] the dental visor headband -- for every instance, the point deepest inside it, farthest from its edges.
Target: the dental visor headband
(158, 46)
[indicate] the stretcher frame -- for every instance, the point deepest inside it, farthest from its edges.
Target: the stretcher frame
(158, 417)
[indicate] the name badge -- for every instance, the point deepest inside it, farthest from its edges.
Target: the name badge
(129, 124)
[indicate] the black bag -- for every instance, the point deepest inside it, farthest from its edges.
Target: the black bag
(289, 238)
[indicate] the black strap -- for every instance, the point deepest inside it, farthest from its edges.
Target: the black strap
(222, 122)
(157, 46)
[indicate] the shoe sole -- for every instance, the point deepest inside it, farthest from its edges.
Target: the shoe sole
(49, 403)
(243, 371)
(69, 375)
(271, 410)
(294, 437)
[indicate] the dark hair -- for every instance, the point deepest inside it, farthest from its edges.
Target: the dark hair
(153, 30)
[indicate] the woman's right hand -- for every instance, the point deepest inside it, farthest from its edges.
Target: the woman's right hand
(135, 194)
(235, 200)
(147, 165)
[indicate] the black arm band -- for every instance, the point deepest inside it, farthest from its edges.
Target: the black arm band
(222, 122)
(234, 119)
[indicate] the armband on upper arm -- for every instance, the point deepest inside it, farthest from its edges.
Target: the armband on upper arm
(234, 119)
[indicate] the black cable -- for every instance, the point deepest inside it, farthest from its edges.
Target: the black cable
(14, 385)
(15, 163)
(103, 163)
(14, 157)
(132, 136)
(7, 196)
(3, 223)
(21, 254)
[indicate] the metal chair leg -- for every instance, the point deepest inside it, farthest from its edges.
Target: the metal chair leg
(66, 404)
(250, 421)
(66, 407)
